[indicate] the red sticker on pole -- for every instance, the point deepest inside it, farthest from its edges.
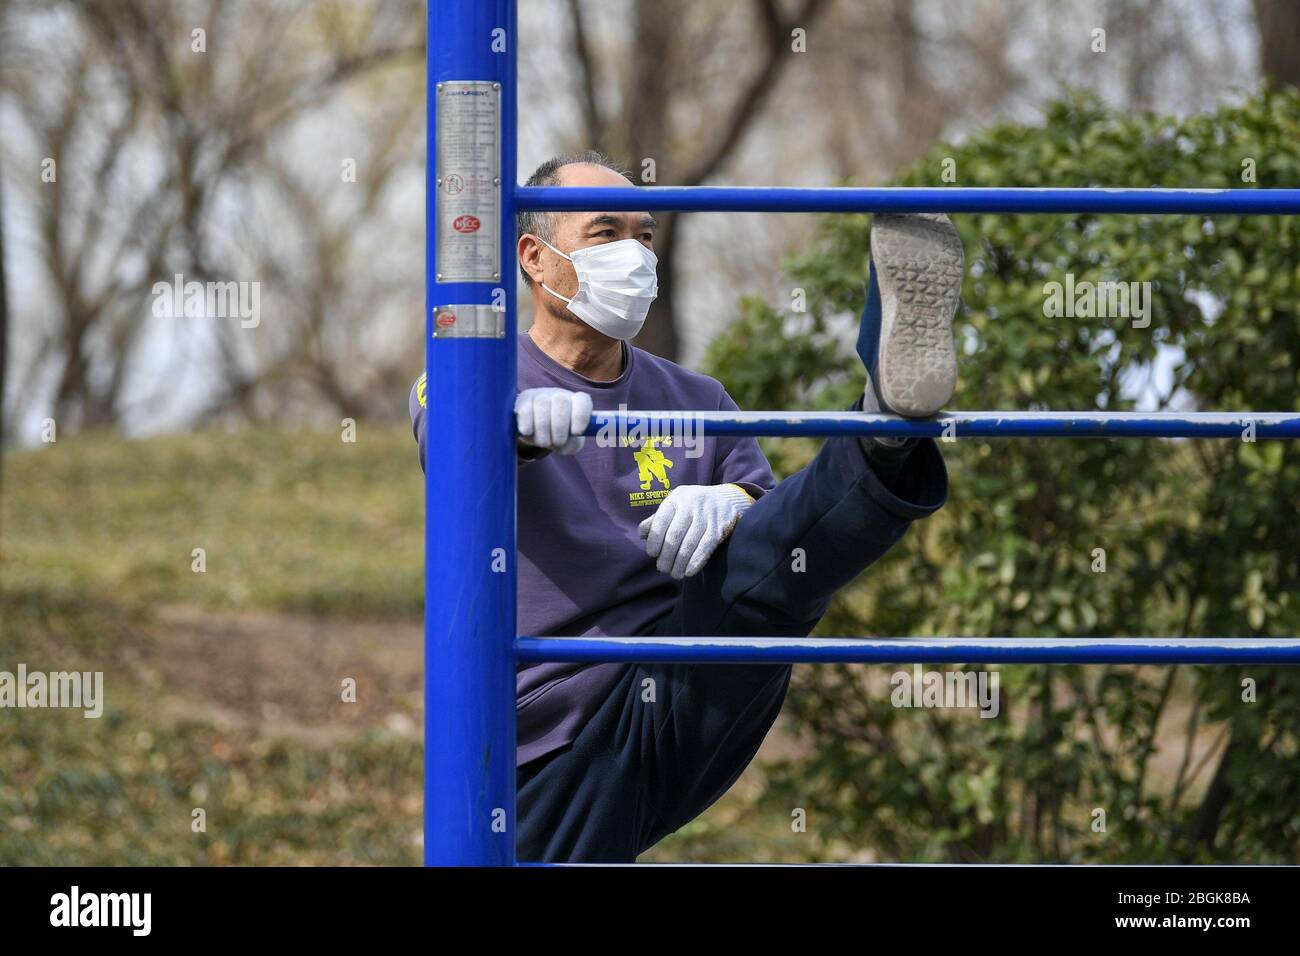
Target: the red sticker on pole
(469, 321)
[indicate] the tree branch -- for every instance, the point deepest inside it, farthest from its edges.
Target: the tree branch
(587, 72)
(776, 30)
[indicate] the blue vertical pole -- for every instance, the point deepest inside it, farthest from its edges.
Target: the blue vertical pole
(469, 694)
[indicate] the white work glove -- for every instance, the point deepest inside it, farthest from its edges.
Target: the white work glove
(690, 524)
(553, 418)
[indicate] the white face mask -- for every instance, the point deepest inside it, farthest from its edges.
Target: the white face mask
(616, 284)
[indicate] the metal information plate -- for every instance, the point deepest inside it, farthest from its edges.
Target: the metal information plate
(468, 322)
(468, 206)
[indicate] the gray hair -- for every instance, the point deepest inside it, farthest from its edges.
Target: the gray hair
(548, 174)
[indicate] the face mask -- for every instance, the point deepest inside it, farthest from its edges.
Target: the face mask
(616, 284)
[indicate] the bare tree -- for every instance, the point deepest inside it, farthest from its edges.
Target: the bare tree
(1279, 40)
(142, 152)
(669, 63)
(4, 347)
(224, 164)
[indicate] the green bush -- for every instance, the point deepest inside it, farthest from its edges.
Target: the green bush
(1200, 537)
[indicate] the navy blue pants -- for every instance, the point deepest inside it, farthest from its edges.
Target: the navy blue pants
(672, 738)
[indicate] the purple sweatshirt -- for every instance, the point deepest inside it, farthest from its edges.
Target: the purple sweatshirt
(583, 569)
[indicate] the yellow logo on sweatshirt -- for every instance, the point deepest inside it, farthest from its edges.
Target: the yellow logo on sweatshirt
(651, 465)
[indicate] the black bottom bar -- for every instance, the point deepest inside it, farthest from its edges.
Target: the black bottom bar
(946, 906)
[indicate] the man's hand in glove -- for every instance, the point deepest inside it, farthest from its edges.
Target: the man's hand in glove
(553, 419)
(690, 524)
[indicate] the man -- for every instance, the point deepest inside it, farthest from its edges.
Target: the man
(650, 538)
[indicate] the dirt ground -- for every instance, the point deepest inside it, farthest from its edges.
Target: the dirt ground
(283, 675)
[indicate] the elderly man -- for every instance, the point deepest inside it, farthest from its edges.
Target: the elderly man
(647, 537)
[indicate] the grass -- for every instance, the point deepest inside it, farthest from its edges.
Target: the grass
(314, 572)
(286, 521)
(223, 687)
(124, 791)
(97, 533)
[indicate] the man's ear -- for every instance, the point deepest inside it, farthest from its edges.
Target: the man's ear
(530, 257)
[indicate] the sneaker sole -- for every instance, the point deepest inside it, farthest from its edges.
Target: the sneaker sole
(919, 267)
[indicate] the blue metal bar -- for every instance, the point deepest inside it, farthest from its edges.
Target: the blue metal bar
(611, 426)
(952, 199)
(469, 613)
(918, 650)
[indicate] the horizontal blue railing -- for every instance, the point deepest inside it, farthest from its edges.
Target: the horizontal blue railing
(951, 199)
(958, 424)
(918, 650)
